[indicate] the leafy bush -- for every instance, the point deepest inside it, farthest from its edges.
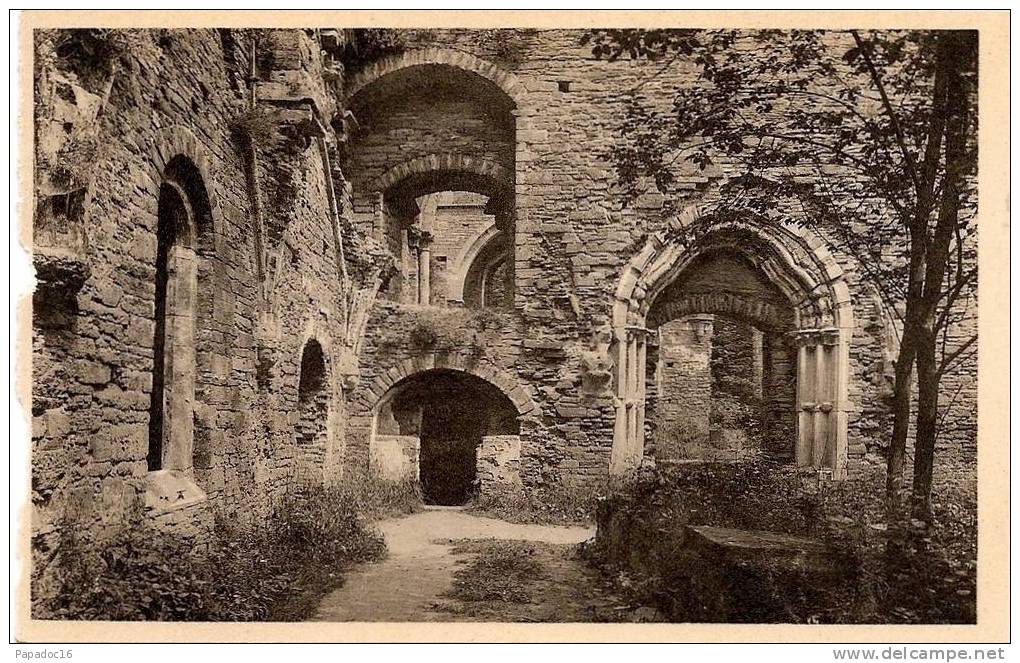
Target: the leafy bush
(74, 163)
(761, 494)
(554, 504)
(375, 498)
(276, 572)
(436, 329)
(892, 572)
(365, 45)
(136, 574)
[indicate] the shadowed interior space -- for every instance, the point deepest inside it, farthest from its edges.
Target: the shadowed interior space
(450, 412)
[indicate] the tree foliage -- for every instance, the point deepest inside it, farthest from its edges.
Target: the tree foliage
(868, 137)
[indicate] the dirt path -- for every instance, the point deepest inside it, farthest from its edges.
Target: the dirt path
(415, 581)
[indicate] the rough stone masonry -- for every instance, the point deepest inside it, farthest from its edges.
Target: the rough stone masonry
(261, 253)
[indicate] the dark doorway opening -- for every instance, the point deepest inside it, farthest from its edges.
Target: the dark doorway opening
(450, 411)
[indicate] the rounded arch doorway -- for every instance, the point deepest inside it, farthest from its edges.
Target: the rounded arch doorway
(446, 416)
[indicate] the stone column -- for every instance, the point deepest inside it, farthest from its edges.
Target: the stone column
(406, 295)
(821, 420)
(379, 217)
(628, 447)
(419, 241)
(424, 274)
(805, 404)
(758, 359)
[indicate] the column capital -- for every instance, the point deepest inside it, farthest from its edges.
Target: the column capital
(637, 330)
(816, 336)
(418, 238)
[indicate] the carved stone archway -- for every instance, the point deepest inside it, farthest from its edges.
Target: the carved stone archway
(799, 266)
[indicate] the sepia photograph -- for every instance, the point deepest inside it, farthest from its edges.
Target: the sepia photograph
(653, 323)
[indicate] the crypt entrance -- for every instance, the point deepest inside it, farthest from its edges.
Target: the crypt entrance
(437, 426)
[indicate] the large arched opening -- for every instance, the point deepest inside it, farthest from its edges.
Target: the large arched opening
(778, 289)
(720, 384)
(433, 164)
(433, 217)
(481, 276)
(443, 427)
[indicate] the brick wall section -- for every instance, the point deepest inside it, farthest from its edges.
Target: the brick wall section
(683, 389)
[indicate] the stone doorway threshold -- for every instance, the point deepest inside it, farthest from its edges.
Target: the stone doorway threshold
(445, 507)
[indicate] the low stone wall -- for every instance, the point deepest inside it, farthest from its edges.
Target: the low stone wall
(716, 574)
(499, 463)
(395, 457)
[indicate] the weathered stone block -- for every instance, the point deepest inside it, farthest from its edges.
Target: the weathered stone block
(395, 457)
(499, 463)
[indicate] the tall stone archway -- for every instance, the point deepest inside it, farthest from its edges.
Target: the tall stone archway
(442, 122)
(810, 304)
(492, 75)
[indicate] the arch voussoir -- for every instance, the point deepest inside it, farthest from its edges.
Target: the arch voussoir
(423, 363)
(508, 83)
(495, 175)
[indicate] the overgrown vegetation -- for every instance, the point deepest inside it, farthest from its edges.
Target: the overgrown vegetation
(366, 45)
(558, 503)
(91, 54)
(891, 572)
(73, 165)
(437, 329)
(273, 572)
(259, 132)
(500, 571)
(257, 126)
(376, 498)
(533, 581)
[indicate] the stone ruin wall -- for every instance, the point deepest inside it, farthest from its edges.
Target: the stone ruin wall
(92, 359)
(91, 366)
(573, 236)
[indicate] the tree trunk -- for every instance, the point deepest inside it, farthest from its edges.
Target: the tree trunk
(957, 52)
(901, 422)
(927, 423)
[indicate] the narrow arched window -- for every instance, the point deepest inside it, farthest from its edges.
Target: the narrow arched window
(313, 396)
(183, 212)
